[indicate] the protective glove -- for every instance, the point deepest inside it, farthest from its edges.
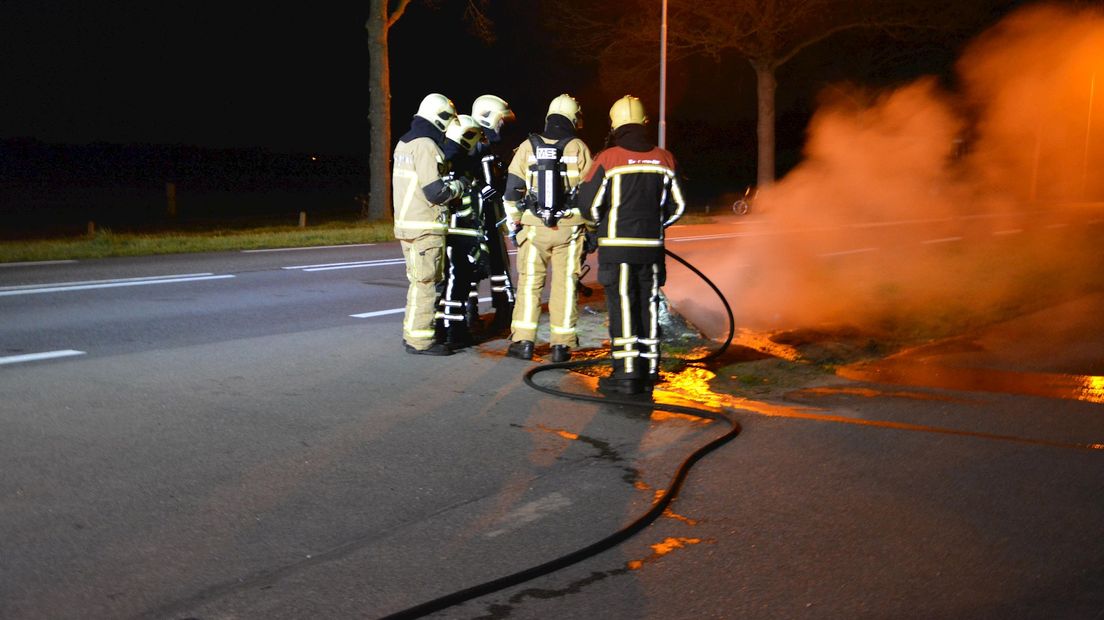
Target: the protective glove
(590, 241)
(458, 186)
(515, 228)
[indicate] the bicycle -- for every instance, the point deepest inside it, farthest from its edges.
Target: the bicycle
(743, 204)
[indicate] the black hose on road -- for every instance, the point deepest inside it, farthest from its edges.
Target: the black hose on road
(640, 522)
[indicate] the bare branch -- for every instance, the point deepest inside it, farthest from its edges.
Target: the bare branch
(397, 13)
(480, 22)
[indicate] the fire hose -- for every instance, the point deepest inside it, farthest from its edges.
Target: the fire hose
(658, 506)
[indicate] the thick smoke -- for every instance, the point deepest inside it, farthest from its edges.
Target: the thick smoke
(929, 208)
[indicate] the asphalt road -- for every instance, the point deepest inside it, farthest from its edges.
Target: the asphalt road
(239, 436)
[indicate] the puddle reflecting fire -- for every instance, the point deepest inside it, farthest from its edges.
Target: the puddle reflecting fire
(1085, 388)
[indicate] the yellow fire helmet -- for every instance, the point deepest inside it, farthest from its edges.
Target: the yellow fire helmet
(465, 132)
(490, 112)
(437, 109)
(626, 110)
(566, 105)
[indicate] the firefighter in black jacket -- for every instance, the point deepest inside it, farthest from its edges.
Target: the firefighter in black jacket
(636, 195)
(464, 245)
(491, 113)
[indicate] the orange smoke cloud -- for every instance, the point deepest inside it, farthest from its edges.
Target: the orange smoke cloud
(921, 207)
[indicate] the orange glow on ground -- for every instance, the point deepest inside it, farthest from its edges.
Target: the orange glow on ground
(1051, 385)
(671, 514)
(872, 393)
(663, 548)
(760, 341)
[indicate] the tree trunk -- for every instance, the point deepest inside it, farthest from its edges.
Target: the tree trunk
(379, 114)
(767, 84)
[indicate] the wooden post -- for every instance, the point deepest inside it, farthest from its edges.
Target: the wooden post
(91, 228)
(170, 196)
(302, 219)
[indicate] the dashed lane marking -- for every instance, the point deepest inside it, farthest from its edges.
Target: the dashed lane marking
(942, 240)
(57, 287)
(32, 263)
(347, 265)
(34, 357)
(368, 315)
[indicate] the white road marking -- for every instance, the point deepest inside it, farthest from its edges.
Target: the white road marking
(314, 247)
(37, 262)
(1063, 225)
(32, 357)
(530, 512)
(847, 252)
(368, 315)
(30, 289)
(1011, 231)
(348, 265)
(943, 240)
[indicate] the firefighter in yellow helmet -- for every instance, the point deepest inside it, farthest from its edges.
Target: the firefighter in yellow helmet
(548, 228)
(634, 194)
(491, 113)
(420, 196)
(465, 249)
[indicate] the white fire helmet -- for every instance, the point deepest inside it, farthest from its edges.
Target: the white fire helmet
(490, 112)
(437, 109)
(566, 105)
(626, 110)
(465, 132)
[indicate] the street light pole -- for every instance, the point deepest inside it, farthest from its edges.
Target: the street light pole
(663, 80)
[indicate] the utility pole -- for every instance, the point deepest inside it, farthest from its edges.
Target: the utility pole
(663, 79)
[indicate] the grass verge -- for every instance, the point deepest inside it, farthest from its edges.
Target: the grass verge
(104, 243)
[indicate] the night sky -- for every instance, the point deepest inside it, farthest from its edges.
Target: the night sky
(291, 77)
(288, 77)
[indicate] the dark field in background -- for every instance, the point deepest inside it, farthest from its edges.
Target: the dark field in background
(49, 190)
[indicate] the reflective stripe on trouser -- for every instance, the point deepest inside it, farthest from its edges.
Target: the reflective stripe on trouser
(539, 249)
(458, 280)
(425, 267)
(632, 299)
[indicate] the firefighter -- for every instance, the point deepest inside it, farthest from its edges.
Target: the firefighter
(634, 194)
(464, 246)
(491, 113)
(548, 229)
(420, 194)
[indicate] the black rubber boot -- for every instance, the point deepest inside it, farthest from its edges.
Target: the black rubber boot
(521, 349)
(611, 386)
(436, 348)
(560, 353)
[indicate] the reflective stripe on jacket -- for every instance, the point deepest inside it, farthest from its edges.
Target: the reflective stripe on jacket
(638, 195)
(417, 190)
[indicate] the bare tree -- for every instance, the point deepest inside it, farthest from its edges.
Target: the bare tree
(382, 15)
(765, 33)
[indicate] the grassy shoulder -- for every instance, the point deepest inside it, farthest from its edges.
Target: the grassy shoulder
(105, 243)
